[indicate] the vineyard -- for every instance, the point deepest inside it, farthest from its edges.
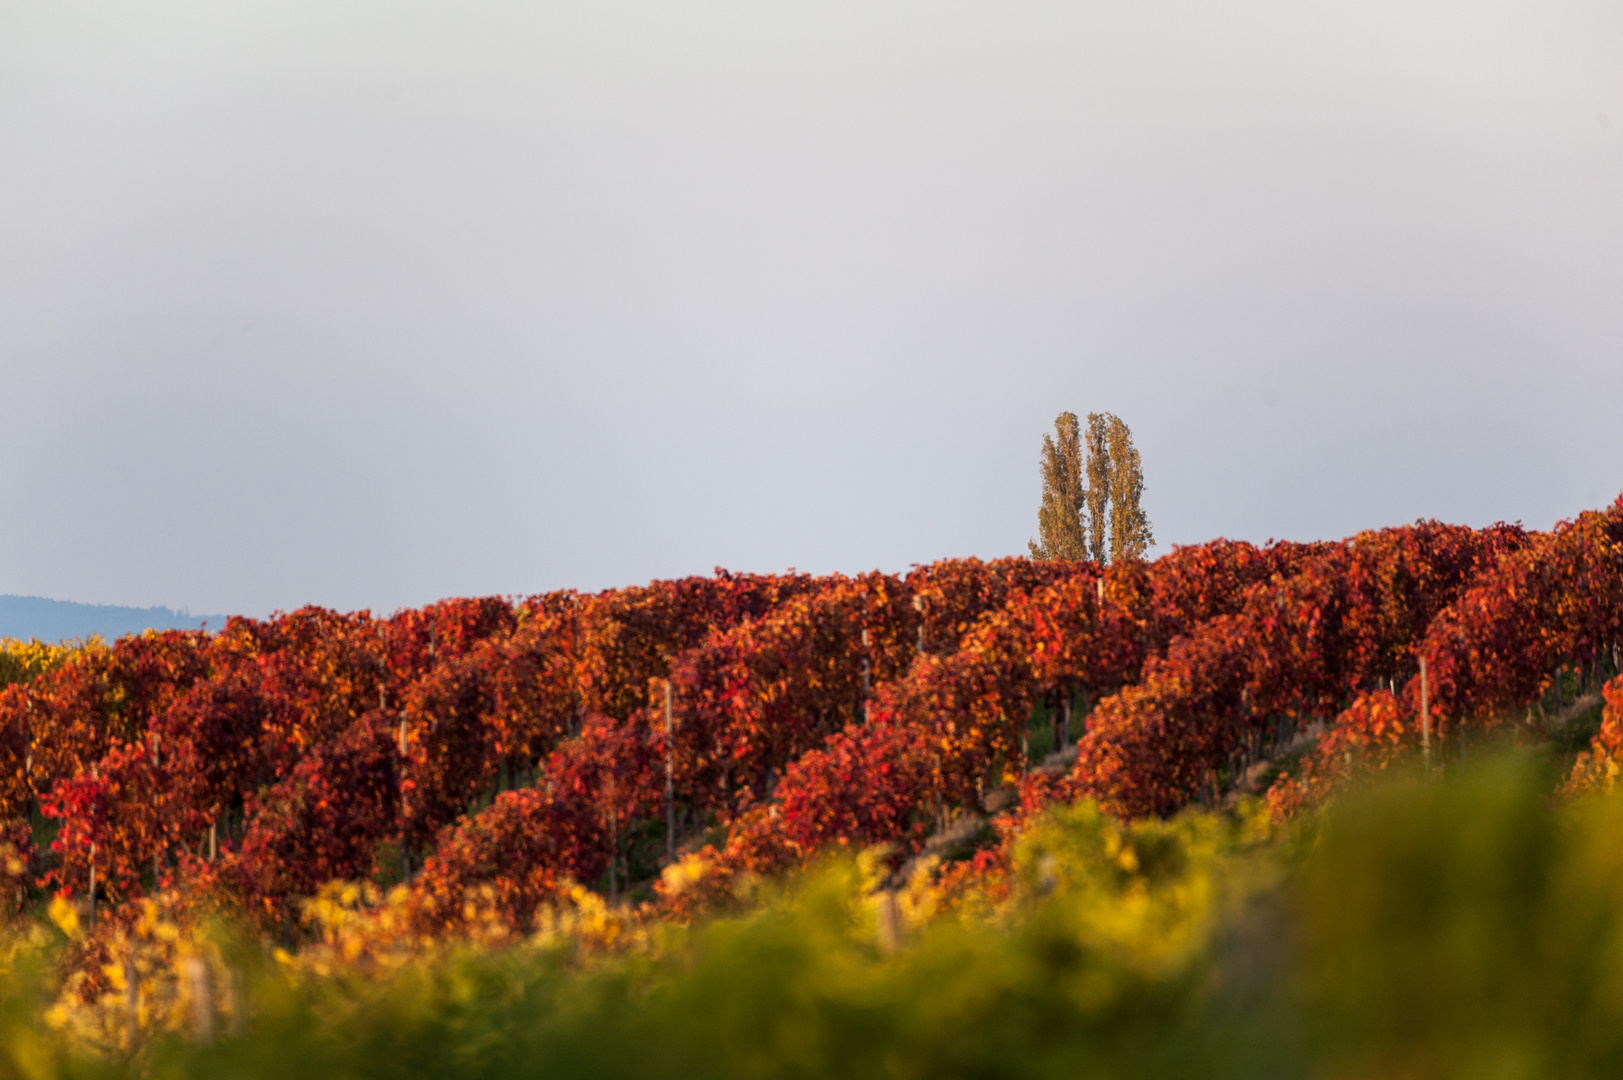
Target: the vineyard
(1037, 798)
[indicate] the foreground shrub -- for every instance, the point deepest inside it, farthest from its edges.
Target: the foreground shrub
(1427, 927)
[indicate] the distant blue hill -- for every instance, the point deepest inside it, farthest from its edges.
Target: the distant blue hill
(52, 620)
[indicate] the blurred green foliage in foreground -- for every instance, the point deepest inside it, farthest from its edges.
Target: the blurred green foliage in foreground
(1470, 927)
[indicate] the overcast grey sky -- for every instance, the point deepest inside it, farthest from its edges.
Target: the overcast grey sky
(365, 304)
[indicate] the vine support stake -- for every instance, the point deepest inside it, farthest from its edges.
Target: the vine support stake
(670, 780)
(867, 673)
(405, 845)
(197, 984)
(890, 921)
(614, 853)
(1425, 716)
(132, 1004)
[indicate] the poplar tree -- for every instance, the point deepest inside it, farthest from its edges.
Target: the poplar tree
(1091, 492)
(1098, 493)
(1130, 536)
(1060, 529)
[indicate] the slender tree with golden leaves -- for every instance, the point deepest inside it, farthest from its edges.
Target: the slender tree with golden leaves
(1098, 491)
(1130, 536)
(1091, 492)
(1060, 528)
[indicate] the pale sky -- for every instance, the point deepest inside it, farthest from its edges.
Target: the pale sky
(366, 304)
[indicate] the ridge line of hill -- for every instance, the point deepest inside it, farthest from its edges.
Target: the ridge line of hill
(39, 617)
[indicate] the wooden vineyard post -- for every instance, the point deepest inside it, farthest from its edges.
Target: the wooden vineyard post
(614, 850)
(132, 1004)
(92, 884)
(405, 849)
(157, 851)
(1425, 716)
(890, 921)
(867, 671)
(670, 780)
(197, 984)
(1065, 722)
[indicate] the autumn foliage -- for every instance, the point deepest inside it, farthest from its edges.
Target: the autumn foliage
(490, 755)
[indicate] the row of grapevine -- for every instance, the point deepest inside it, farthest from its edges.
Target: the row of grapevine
(1209, 653)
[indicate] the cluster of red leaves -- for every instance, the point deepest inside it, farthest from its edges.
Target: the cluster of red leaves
(526, 847)
(325, 820)
(131, 808)
(1532, 606)
(1557, 601)
(1376, 730)
(1600, 767)
(1342, 618)
(752, 698)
